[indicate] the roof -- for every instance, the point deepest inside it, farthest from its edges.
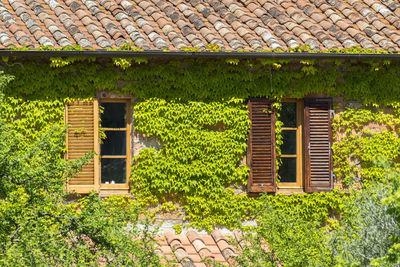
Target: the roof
(175, 24)
(193, 249)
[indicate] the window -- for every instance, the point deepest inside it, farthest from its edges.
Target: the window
(108, 172)
(306, 149)
(115, 148)
(291, 171)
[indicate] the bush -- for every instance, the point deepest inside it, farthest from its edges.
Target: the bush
(392, 202)
(366, 228)
(294, 240)
(90, 232)
(294, 237)
(40, 227)
(253, 252)
(357, 228)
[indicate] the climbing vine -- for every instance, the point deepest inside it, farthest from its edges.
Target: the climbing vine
(203, 144)
(196, 108)
(363, 136)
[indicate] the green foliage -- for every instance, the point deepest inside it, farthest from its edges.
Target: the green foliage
(58, 62)
(48, 232)
(179, 101)
(392, 201)
(35, 168)
(294, 232)
(295, 228)
(202, 145)
(317, 207)
(38, 227)
(177, 228)
(254, 253)
(278, 136)
(31, 117)
(200, 79)
(366, 228)
(296, 242)
(352, 229)
(357, 147)
(4, 79)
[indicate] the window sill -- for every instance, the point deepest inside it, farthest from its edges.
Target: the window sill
(289, 190)
(108, 194)
(114, 191)
(114, 186)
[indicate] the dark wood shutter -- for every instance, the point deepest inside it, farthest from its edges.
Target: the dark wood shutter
(318, 141)
(82, 120)
(261, 148)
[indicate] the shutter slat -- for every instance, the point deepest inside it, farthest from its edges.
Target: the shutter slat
(81, 119)
(318, 158)
(261, 149)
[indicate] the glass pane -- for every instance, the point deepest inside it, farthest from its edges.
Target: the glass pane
(114, 115)
(287, 171)
(113, 171)
(288, 114)
(289, 142)
(114, 143)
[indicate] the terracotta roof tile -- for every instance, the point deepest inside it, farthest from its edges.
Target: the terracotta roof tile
(395, 38)
(343, 24)
(231, 24)
(193, 249)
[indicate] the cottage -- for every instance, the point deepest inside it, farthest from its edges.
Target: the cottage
(186, 35)
(209, 103)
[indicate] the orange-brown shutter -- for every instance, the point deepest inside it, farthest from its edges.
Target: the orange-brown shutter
(261, 149)
(318, 141)
(82, 120)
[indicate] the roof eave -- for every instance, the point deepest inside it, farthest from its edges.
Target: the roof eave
(190, 54)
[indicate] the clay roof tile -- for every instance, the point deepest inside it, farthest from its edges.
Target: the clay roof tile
(234, 24)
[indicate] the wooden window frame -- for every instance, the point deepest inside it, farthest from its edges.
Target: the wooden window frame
(299, 184)
(127, 129)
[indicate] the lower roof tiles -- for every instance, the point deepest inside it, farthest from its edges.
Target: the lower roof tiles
(193, 249)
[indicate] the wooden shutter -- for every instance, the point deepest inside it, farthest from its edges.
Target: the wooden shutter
(261, 148)
(82, 120)
(318, 141)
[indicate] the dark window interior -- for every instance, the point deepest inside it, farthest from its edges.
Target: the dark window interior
(113, 170)
(113, 147)
(288, 114)
(114, 143)
(288, 169)
(114, 115)
(289, 142)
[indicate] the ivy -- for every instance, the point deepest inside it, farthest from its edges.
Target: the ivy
(32, 117)
(363, 136)
(311, 207)
(203, 144)
(197, 110)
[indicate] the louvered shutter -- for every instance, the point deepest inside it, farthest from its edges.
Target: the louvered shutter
(261, 148)
(82, 120)
(318, 140)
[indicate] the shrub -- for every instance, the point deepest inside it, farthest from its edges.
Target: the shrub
(392, 202)
(39, 227)
(366, 228)
(253, 253)
(294, 237)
